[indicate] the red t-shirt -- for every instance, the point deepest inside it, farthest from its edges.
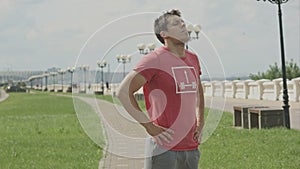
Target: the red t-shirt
(170, 94)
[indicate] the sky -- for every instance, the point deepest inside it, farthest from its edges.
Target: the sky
(238, 37)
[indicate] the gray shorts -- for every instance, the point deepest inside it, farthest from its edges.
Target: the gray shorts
(159, 158)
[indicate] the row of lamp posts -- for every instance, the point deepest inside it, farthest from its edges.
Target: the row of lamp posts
(61, 72)
(53, 75)
(124, 59)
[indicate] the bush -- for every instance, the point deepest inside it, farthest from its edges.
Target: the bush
(15, 89)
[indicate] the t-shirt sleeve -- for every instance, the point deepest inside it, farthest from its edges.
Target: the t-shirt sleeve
(148, 66)
(198, 65)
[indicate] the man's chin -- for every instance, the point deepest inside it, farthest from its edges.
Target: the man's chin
(186, 40)
(182, 40)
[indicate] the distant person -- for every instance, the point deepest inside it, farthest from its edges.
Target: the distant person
(107, 85)
(170, 77)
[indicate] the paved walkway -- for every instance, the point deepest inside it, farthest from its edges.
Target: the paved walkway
(125, 138)
(3, 95)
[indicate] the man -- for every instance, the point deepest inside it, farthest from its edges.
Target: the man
(170, 77)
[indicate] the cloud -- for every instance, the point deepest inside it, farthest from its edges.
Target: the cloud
(56, 30)
(5, 6)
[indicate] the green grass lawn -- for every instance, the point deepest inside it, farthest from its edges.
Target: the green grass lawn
(232, 148)
(42, 131)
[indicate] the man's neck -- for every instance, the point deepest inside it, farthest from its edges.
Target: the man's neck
(176, 48)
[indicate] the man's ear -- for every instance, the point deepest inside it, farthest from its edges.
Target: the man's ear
(163, 34)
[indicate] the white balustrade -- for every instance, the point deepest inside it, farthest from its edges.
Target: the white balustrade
(218, 88)
(230, 89)
(290, 90)
(242, 89)
(268, 91)
(261, 89)
(248, 89)
(207, 88)
(296, 87)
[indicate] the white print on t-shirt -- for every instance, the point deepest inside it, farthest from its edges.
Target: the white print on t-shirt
(185, 80)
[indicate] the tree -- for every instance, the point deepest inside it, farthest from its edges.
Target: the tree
(292, 70)
(274, 72)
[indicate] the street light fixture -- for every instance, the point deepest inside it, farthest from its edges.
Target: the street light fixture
(193, 28)
(71, 71)
(62, 72)
(41, 80)
(46, 81)
(102, 64)
(145, 49)
(124, 59)
(31, 83)
(285, 89)
(84, 68)
(53, 74)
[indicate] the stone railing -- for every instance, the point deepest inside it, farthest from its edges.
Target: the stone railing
(249, 89)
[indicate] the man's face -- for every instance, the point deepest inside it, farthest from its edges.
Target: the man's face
(177, 29)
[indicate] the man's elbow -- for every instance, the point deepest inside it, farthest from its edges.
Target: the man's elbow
(119, 93)
(122, 94)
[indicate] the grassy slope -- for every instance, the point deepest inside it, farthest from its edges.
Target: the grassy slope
(232, 148)
(42, 131)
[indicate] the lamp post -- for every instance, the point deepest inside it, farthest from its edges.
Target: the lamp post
(102, 64)
(53, 74)
(193, 28)
(71, 71)
(62, 72)
(41, 79)
(285, 89)
(146, 49)
(123, 59)
(46, 81)
(84, 68)
(31, 83)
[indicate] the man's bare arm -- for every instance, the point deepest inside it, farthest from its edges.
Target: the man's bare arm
(200, 113)
(132, 83)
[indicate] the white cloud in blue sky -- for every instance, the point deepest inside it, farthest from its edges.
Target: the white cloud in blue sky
(38, 34)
